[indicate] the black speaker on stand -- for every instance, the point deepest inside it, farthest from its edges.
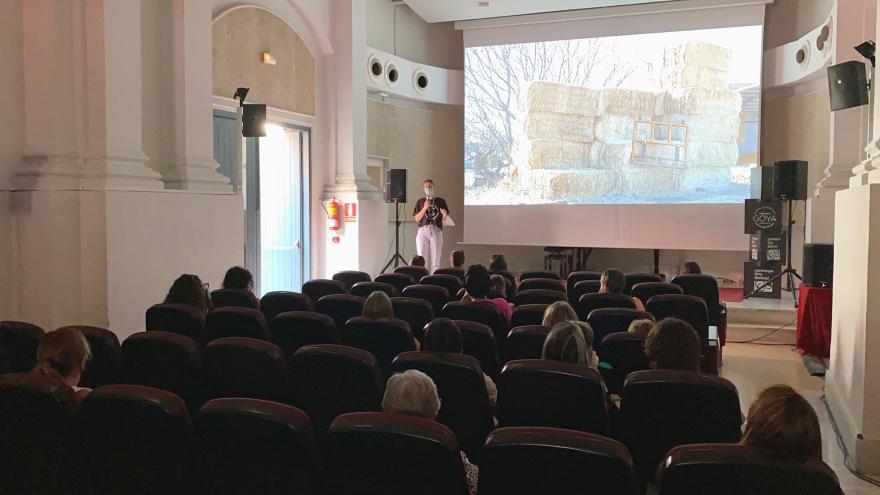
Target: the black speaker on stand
(395, 192)
(789, 184)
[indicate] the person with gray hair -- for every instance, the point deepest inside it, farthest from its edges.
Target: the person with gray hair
(414, 393)
(571, 342)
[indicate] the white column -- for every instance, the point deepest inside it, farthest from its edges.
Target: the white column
(82, 99)
(192, 162)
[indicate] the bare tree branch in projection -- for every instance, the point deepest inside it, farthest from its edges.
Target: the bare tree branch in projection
(496, 74)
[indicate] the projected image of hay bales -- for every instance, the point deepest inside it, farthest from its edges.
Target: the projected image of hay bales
(685, 141)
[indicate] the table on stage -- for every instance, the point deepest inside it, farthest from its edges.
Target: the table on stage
(814, 321)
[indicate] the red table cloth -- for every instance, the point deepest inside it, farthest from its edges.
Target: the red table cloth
(814, 321)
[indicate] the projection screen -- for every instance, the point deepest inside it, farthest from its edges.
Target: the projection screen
(631, 131)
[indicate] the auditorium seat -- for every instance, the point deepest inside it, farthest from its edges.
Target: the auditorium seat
(528, 314)
(706, 288)
(320, 287)
(647, 290)
(295, 329)
(455, 272)
(449, 282)
(164, 360)
(606, 321)
(464, 402)
(546, 274)
(589, 302)
(340, 307)
(691, 309)
(137, 440)
(553, 394)
(364, 289)
(437, 296)
(351, 277)
(525, 342)
(480, 312)
(329, 380)
(385, 338)
(532, 460)
(580, 276)
(18, 346)
(400, 281)
(632, 279)
(416, 272)
(181, 319)
(243, 367)
(104, 368)
(479, 342)
(415, 311)
(254, 446)
(583, 287)
(538, 296)
(662, 409)
(392, 454)
(222, 298)
(40, 448)
(274, 303)
(624, 352)
(541, 283)
(737, 469)
(235, 321)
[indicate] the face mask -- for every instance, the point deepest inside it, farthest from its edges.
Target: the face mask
(429, 191)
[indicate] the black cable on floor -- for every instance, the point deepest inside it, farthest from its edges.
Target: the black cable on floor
(847, 462)
(762, 337)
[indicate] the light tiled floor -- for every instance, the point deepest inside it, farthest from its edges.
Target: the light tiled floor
(753, 367)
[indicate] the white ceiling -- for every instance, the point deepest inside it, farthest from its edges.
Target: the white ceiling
(460, 10)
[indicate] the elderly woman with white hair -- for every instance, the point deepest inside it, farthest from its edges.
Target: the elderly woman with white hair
(414, 393)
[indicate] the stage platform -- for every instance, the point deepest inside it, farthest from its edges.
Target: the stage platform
(752, 318)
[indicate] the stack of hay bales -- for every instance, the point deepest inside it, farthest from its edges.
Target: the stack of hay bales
(576, 143)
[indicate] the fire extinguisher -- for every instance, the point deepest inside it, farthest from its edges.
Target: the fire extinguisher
(333, 214)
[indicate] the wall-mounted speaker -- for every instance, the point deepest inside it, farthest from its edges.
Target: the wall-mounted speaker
(790, 179)
(395, 185)
(253, 120)
(818, 265)
(848, 85)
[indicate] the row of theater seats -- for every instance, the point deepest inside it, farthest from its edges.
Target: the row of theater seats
(132, 439)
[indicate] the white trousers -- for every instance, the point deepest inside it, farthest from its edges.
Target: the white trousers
(429, 244)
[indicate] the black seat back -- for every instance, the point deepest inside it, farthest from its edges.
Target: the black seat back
(364, 289)
(589, 302)
(340, 307)
(479, 312)
(417, 312)
(236, 321)
(538, 296)
(542, 283)
(479, 342)
(400, 281)
(647, 290)
(637, 278)
(416, 272)
(181, 319)
(449, 282)
(243, 367)
(436, 295)
(295, 329)
(320, 287)
(624, 352)
(351, 277)
(274, 303)
(455, 272)
(605, 321)
(582, 287)
(166, 361)
(525, 342)
(545, 274)
(222, 298)
(105, 366)
(18, 346)
(528, 314)
(384, 338)
(464, 402)
(691, 309)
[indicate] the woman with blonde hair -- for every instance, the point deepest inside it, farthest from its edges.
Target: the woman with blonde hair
(64, 355)
(378, 305)
(782, 423)
(571, 342)
(557, 313)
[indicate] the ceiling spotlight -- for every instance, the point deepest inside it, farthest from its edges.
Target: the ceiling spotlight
(866, 49)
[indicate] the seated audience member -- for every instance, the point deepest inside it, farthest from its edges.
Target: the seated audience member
(443, 335)
(413, 393)
(476, 284)
(417, 261)
(241, 279)
(641, 327)
(64, 355)
(190, 290)
(456, 259)
(613, 282)
(691, 268)
(378, 306)
(557, 313)
(571, 342)
(498, 263)
(782, 423)
(673, 344)
(498, 286)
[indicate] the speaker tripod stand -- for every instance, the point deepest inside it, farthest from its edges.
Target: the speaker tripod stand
(789, 273)
(397, 259)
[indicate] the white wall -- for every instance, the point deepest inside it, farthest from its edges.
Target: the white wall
(437, 44)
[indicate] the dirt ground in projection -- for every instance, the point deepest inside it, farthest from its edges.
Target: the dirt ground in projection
(580, 145)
